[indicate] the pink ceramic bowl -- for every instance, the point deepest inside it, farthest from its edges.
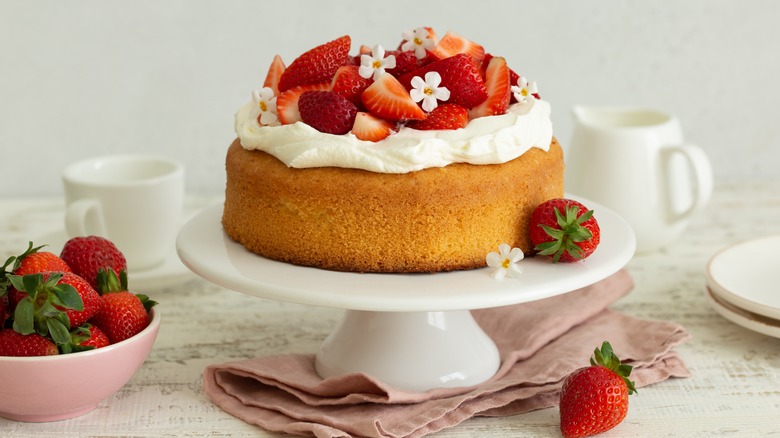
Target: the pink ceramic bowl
(51, 388)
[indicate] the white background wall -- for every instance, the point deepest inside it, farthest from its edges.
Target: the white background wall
(81, 78)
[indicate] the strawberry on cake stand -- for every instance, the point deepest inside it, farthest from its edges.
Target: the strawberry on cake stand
(413, 331)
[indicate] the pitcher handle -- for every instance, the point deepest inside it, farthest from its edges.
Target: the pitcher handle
(84, 217)
(701, 172)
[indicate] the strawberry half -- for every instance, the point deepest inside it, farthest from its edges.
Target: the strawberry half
(327, 111)
(564, 229)
(459, 74)
(348, 83)
(513, 76)
(287, 102)
(370, 128)
(497, 84)
(444, 116)
(594, 399)
(388, 99)
(405, 62)
(274, 74)
(452, 44)
(317, 65)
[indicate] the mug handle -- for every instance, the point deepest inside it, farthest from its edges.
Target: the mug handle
(84, 217)
(701, 171)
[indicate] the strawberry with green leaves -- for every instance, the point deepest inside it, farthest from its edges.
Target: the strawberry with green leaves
(594, 399)
(564, 229)
(85, 337)
(86, 255)
(53, 303)
(123, 314)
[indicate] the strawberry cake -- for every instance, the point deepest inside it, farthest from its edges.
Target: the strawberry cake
(420, 159)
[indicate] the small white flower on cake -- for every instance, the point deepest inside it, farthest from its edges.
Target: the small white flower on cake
(265, 106)
(504, 262)
(525, 92)
(418, 40)
(375, 63)
(428, 91)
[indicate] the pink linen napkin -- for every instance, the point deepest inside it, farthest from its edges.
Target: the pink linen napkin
(540, 343)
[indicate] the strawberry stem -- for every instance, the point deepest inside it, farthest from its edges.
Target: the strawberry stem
(608, 359)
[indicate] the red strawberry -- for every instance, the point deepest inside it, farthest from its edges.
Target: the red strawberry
(87, 337)
(316, 66)
(459, 74)
(33, 261)
(405, 62)
(348, 83)
(565, 229)
(452, 44)
(388, 99)
(497, 83)
(370, 128)
(287, 102)
(122, 314)
(594, 399)
(327, 111)
(5, 309)
(513, 76)
(47, 298)
(274, 74)
(86, 255)
(444, 116)
(13, 343)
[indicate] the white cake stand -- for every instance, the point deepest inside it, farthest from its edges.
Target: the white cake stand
(413, 331)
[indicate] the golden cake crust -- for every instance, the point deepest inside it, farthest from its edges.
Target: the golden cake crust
(437, 219)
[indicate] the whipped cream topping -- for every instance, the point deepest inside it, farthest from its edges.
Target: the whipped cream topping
(485, 140)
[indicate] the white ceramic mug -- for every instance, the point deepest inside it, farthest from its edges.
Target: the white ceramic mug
(634, 161)
(135, 201)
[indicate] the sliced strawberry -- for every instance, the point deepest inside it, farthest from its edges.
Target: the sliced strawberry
(405, 62)
(274, 74)
(316, 66)
(327, 111)
(513, 76)
(388, 99)
(444, 116)
(452, 44)
(370, 128)
(348, 83)
(497, 84)
(287, 102)
(459, 74)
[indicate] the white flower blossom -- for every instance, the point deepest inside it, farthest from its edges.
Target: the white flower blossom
(418, 40)
(265, 107)
(504, 262)
(375, 63)
(525, 92)
(428, 91)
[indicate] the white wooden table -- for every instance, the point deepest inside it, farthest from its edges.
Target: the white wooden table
(734, 390)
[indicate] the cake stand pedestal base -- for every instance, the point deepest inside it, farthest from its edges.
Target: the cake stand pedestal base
(414, 351)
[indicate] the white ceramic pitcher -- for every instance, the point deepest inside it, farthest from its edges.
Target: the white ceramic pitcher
(634, 161)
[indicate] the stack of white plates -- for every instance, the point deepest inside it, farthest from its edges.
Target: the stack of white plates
(743, 284)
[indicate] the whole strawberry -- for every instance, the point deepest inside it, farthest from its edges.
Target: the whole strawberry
(13, 343)
(85, 337)
(52, 303)
(327, 111)
(317, 65)
(86, 255)
(564, 229)
(594, 399)
(123, 314)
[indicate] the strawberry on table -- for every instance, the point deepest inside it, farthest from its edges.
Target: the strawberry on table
(444, 116)
(123, 314)
(594, 399)
(370, 128)
(13, 343)
(327, 111)
(388, 99)
(564, 229)
(317, 65)
(86, 255)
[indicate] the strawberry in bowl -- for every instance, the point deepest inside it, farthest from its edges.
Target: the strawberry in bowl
(56, 359)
